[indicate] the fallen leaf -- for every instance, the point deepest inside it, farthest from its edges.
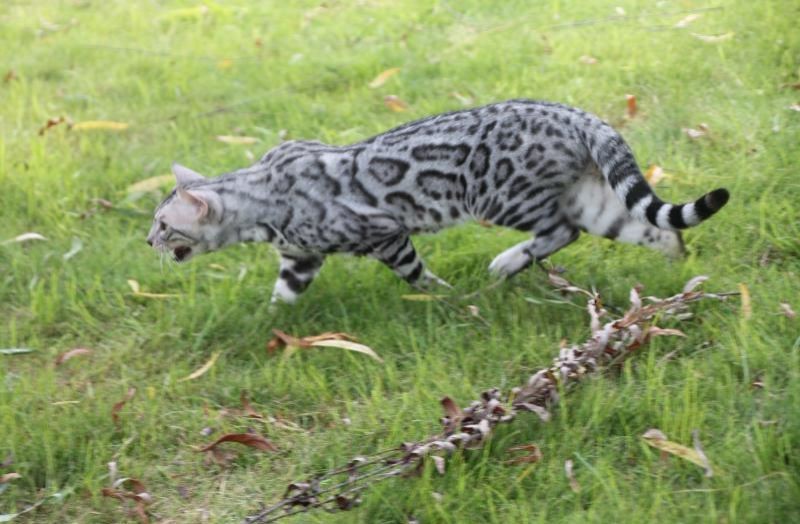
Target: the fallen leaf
(452, 412)
(77, 246)
(534, 454)
(383, 77)
(787, 310)
(9, 76)
(395, 104)
(25, 237)
(248, 439)
(631, 106)
(794, 107)
(202, 370)
(63, 357)
(688, 19)
(242, 140)
(15, 351)
(248, 409)
(116, 408)
(8, 477)
(465, 100)
(334, 340)
(655, 174)
(713, 39)
(104, 125)
(134, 285)
(658, 440)
(747, 307)
(155, 183)
(138, 494)
(573, 483)
(587, 59)
(51, 122)
(438, 463)
(694, 134)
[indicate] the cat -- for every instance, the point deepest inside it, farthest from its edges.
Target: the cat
(539, 167)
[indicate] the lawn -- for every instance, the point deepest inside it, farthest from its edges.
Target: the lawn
(181, 74)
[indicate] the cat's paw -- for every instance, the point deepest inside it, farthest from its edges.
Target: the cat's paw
(510, 262)
(429, 280)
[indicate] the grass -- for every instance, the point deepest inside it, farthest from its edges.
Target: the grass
(180, 74)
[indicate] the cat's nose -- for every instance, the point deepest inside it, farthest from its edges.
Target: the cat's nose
(150, 242)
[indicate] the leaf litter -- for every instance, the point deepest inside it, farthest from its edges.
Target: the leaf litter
(202, 370)
(657, 439)
(136, 492)
(72, 353)
(328, 339)
(117, 407)
(383, 77)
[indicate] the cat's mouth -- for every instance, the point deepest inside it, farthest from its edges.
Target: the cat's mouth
(181, 253)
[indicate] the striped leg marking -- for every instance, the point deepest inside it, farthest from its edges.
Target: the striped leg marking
(399, 254)
(296, 273)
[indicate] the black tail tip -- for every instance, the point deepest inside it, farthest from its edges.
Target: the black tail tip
(716, 199)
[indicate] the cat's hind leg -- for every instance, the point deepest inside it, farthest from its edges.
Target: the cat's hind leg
(546, 242)
(295, 275)
(399, 255)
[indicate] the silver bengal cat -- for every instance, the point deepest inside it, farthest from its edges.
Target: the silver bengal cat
(539, 167)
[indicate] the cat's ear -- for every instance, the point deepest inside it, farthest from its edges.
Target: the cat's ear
(198, 202)
(185, 176)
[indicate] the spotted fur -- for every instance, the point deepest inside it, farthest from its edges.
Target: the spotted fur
(539, 167)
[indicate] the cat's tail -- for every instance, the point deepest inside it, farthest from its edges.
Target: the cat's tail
(615, 160)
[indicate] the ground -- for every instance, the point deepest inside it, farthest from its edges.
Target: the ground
(180, 74)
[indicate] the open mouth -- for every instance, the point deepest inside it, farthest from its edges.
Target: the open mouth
(181, 253)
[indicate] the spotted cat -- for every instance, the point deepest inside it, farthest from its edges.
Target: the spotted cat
(539, 167)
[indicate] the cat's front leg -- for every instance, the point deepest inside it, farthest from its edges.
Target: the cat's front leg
(399, 254)
(295, 275)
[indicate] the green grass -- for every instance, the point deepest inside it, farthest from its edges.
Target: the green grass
(179, 78)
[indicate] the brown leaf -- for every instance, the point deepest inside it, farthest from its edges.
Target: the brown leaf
(330, 339)
(573, 482)
(631, 106)
(8, 477)
(383, 77)
(248, 409)
(63, 357)
(395, 103)
(787, 310)
(9, 76)
(138, 493)
(248, 439)
(534, 454)
(747, 307)
(655, 174)
(115, 409)
(51, 122)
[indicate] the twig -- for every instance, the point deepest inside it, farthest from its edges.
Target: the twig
(610, 343)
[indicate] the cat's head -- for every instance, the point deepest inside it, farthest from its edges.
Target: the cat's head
(188, 221)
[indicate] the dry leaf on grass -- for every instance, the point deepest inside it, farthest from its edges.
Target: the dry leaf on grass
(658, 440)
(248, 409)
(794, 107)
(63, 357)
(383, 77)
(688, 19)
(533, 454)
(394, 103)
(587, 59)
(15, 351)
(154, 183)
(241, 140)
(747, 307)
(202, 370)
(465, 100)
(787, 310)
(714, 39)
(701, 131)
(9, 76)
(8, 477)
(138, 494)
(252, 440)
(421, 297)
(117, 407)
(573, 482)
(99, 125)
(333, 340)
(655, 174)
(137, 292)
(25, 237)
(452, 414)
(631, 106)
(51, 122)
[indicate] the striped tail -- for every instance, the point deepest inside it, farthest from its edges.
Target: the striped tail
(615, 160)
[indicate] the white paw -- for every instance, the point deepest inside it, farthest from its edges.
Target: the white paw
(510, 262)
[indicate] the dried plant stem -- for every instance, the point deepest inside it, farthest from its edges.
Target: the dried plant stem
(610, 343)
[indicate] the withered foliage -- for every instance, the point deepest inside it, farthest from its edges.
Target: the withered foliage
(611, 342)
